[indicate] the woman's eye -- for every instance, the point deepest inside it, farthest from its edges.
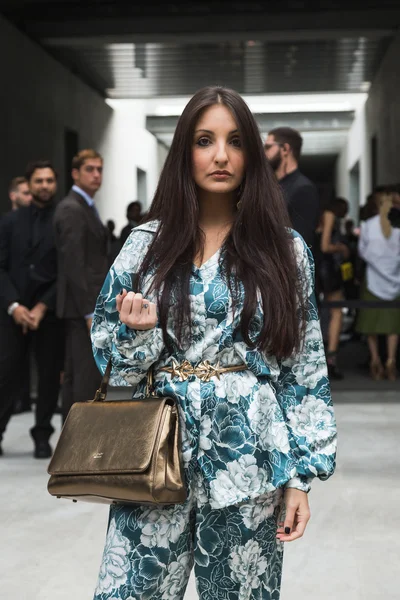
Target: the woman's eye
(236, 142)
(203, 142)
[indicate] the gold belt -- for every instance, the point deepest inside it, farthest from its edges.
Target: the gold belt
(203, 370)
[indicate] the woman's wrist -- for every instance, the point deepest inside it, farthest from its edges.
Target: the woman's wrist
(126, 333)
(299, 483)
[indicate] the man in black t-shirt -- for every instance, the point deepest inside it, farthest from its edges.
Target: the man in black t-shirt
(282, 149)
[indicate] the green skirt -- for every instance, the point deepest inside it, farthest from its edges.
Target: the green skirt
(375, 321)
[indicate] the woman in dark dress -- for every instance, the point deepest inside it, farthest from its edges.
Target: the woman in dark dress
(333, 253)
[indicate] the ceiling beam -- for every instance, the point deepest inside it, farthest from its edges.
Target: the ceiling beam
(245, 26)
(204, 37)
(326, 121)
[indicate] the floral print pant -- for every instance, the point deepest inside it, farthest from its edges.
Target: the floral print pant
(150, 552)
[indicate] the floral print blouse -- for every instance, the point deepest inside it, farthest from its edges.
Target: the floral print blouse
(249, 432)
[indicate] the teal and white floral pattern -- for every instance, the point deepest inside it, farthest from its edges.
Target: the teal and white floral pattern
(267, 422)
(248, 435)
(251, 431)
(313, 420)
(235, 553)
(160, 526)
(177, 577)
(241, 478)
(260, 509)
(247, 566)
(115, 565)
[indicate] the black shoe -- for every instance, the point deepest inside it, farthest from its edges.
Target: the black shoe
(1, 451)
(334, 373)
(42, 449)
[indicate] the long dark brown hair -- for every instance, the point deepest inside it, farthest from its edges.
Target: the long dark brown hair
(258, 250)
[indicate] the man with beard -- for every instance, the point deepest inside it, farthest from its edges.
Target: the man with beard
(283, 149)
(28, 269)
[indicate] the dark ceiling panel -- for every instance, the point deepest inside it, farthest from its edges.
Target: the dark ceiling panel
(36, 9)
(149, 70)
(71, 19)
(160, 48)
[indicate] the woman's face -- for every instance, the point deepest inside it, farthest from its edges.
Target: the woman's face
(217, 155)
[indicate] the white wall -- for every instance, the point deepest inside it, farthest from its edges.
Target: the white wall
(380, 117)
(383, 115)
(356, 150)
(127, 145)
(38, 100)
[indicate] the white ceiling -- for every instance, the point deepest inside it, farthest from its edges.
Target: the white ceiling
(316, 142)
(273, 103)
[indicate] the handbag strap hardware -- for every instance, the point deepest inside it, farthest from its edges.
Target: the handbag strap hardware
(101, 393)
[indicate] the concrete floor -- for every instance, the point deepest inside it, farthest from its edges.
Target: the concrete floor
(50, 549)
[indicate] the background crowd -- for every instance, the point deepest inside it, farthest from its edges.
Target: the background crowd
(352, 264)
(55, 254)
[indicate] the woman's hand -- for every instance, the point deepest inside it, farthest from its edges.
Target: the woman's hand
(135, 311)
(296, 517)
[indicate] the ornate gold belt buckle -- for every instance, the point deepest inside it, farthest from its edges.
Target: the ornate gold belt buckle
(207, 370)
(203, 371)
(183, 371)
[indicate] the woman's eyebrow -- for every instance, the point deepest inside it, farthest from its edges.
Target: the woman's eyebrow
(212, 133)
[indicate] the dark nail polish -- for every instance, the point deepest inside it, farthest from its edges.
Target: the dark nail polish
(121, 292)
(287, 530)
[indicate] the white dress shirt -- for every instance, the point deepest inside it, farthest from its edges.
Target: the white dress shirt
(382, 256)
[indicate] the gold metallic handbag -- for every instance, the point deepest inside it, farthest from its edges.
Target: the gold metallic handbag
(120, 452)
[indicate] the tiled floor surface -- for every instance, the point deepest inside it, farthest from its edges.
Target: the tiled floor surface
(50, 549)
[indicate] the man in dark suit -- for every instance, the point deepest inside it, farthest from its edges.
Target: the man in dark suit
(28, 271)
(283, 149)
(81, 241)
(20, 195)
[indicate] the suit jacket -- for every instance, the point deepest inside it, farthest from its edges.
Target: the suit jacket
(28, 269)
(81, 242)
(303, 204)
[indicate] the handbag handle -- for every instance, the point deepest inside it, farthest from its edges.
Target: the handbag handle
(101, 393)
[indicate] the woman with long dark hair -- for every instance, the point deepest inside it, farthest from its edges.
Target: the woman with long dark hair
(226, 315)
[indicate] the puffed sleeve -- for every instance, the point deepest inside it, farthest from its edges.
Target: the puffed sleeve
(132, 352)
(303, 392)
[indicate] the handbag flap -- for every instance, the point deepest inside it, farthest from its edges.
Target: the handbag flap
(108, 437)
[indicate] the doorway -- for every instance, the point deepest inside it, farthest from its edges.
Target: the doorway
(374, 161)
(142, 186)
(354, 199)
(71, 144)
